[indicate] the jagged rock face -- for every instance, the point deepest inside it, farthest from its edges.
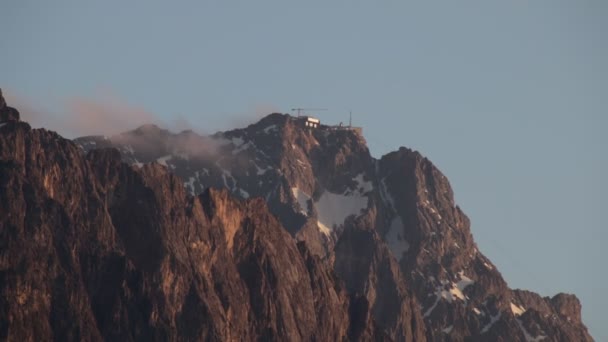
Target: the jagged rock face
(95, 249)
(363, 217)
(7, 113)
(558, 317)
(462, 294)
(368, 268)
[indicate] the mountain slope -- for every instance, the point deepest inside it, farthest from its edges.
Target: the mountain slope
(94, 249)
(323, 182)
(360, 249)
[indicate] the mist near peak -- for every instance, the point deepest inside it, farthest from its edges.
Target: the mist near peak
(108, 114)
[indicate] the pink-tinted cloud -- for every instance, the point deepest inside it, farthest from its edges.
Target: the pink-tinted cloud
(88, 117)
(79, 116)
(107, 114)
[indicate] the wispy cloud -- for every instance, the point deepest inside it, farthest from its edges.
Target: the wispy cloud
(78, 116)
(85, 116)
(105, 113)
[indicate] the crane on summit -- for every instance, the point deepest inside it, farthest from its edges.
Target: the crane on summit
(301, 111)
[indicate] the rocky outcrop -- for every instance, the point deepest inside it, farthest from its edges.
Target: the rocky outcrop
(7, 113)
(558, 317)
(324, 242)
(95, 249)
(367, 268)
(462, 294)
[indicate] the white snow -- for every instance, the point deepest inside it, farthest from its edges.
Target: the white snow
(138, 165)
(241, 147)
(395, 239)
(260, 170)
(488, 266)
(448, 329)
(457, 289)
(464, 281)
(529, 337)
(386, 196)
(453, 293)
(364, 186)
(333, 209)
(244, 193)
(476, 311)
(493, 319)
(517, 310)
(190, 184)
(428, 312)
(270, 128)
(163, 160)
(225, 174)
(302, 199)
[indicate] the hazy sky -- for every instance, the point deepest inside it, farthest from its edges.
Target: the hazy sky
(508, 98)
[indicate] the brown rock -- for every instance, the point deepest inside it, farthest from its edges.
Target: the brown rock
(93, 249)
(7, 113)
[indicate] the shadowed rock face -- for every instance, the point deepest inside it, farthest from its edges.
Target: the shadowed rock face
(7, 113)
(308, 238)
(389, 227)
(94, 249)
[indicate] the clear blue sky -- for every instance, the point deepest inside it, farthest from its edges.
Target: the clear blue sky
(508, 98)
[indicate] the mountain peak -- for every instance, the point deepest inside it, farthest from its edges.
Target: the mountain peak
(2, 101)
(326, 190)
(272, 118)
(148, 129)
(7, 113)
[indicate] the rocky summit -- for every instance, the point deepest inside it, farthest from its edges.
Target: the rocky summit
(280, 231)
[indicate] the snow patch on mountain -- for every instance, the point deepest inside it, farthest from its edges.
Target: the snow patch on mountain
(237, 141)
(493, 320)
(333, 209)
(362, 185)
(464, 281)
(428, 312)
(163, 160)
(259, 170)
(517, 310)
(529, 337)
(270, 128)
(387, 198)
(395, 239)
(302, 198)
(242, 148)
(244, 194)
(190, 184)
(451, 294)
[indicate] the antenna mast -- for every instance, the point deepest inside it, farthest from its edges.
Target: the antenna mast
(299, 111)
